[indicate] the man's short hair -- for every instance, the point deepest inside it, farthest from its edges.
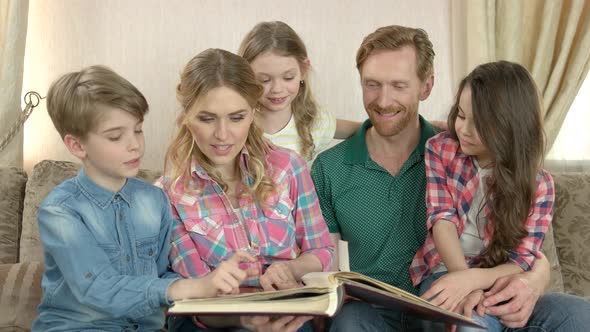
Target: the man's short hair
(394, 37)
(75, 101)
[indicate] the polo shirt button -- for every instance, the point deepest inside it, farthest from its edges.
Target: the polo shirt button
(128, 258)
(87, 275)
(151, 252)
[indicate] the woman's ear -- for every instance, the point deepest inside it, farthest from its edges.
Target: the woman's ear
(305, 67)
(75, 146)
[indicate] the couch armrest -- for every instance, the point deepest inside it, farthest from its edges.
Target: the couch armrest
(20, 293)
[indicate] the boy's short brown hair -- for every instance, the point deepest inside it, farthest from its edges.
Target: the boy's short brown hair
(394, 37)
(73, 99)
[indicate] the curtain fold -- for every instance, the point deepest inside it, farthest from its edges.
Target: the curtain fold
(551, 38)
(13, 33)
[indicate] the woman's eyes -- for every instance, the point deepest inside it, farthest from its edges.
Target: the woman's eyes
(236, 118)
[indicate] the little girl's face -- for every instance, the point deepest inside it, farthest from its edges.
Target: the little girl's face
(280, 77)
(467, 133)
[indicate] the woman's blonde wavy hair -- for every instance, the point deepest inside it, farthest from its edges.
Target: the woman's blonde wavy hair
(208, 70)
(278, 38)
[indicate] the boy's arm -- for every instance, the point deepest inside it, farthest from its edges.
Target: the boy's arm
(166, 225)
(88, 272)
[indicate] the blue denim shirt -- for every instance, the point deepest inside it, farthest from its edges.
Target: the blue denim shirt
(105, 257)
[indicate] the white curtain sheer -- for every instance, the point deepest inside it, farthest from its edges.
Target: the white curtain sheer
(13, 33)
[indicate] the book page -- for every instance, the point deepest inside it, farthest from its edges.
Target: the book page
(319, 279)
(343, 261)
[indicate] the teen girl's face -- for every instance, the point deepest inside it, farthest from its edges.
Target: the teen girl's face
(219, 123)
(467, 133)
(280, 77)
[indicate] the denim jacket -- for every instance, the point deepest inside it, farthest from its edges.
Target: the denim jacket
(105, 257)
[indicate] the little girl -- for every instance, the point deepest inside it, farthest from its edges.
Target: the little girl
(290, 116)
(489, 201)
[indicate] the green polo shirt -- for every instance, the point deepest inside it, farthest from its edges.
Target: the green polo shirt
(383, 217)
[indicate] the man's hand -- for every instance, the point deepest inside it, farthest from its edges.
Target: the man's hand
(512, 299)
(448, 291)
(267, 324)
(278, 276)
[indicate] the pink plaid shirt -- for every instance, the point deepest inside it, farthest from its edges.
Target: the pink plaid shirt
(207, 230)
(451, 183)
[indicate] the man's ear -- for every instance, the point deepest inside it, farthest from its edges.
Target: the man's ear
(75, 146)
(306, 66)
(427, 89)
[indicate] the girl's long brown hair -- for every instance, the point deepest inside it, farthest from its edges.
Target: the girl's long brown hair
(208, 70)
(507, 115)
(279, 38)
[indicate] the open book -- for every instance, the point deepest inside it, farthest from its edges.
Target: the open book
(322, 295)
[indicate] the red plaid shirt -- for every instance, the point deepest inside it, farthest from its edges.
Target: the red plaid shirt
(451, 183)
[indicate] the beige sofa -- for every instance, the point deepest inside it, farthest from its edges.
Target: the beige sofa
(21, 251)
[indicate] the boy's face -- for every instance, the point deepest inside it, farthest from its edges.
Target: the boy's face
(112, 151)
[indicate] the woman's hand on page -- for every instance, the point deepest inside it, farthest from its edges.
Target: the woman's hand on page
(448, 291)
(278, 276)
(228, 276)
(268, 324)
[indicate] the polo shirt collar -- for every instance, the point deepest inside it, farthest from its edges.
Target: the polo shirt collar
(357, 152)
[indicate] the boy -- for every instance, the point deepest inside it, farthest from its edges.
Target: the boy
(106, 234)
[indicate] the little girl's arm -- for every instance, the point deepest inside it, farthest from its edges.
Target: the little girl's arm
(345, 128)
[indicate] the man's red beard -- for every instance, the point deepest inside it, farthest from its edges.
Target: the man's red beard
(387, 128)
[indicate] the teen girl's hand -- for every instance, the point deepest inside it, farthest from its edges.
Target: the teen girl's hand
(278, 276)
(228, 276)
(266, 324)
(448, 291)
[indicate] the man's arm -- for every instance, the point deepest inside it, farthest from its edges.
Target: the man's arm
(513, 298)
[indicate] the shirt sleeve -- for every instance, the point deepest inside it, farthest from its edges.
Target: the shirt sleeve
(324, 195)
(88, 272)
(184, 254)
(537, 223)
(324, 130)
(310, 228)
(439, 201)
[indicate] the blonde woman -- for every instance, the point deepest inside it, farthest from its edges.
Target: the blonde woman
(232, 191)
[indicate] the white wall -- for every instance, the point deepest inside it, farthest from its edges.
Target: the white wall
(149, 41)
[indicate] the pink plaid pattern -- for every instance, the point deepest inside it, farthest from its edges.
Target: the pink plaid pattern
(208, 231)
(451, 183)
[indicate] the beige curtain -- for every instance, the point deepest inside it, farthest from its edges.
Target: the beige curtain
(13, 32)
(551, 38)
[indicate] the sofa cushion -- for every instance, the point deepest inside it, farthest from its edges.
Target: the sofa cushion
(572, 230)
(20, 286)
(46, 175)
(12, 194)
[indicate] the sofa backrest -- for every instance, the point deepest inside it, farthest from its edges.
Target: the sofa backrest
(571, 224)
